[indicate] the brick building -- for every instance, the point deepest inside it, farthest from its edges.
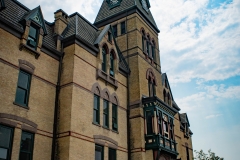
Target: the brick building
(71, 89)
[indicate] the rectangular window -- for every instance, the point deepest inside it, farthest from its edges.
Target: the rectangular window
(115, 30)
(148, 48)
(26, 148)
(105, 114)
(123, 28)
(23, 88)
(149, 122)
(153, 52)
(112, 154)
(33, 36)
(160, 122)
(6, 138)
(109, 36)
(114, 118)
(96, 113)
(99, 152)
(187, 152)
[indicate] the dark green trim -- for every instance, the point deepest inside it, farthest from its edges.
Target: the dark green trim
(115, 118)
(105, 113)
(96, 108)
(30, 151)
(23, 88)
(10, 143)
(100, 149)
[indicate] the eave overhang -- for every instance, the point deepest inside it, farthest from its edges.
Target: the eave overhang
(123, 14)
(155, 101)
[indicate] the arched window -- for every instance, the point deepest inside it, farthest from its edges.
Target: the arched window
(151, 82)
(151, 87)
(153, 50)
(143, 40)
(169, 99)
(148, 44)
(104, 59)
(112, 64)
(164, 95)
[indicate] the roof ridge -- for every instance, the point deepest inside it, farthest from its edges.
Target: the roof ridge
(78, 14)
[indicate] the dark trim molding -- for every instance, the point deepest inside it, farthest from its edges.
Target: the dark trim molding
(75, 39)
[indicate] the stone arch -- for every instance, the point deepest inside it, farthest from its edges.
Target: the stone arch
(96, 89)
(106, 94)
(114, 99)
(114, 53)
(27, 66)
(150, 75)
(104, 45)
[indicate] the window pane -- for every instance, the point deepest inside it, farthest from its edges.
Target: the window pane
(32, 32)
(26, 143)
(112, 154)
(25, 156)
(3, 153)
(98, 152)
(23, 80)
(115, 30)
(5, 137)
(21, 96)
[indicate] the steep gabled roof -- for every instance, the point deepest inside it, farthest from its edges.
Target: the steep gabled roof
(122, 62)
(184, 118)
(127, 6)
(35, 15)
(164, 80)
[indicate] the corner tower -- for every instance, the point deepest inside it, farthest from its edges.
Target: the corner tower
(151, 120)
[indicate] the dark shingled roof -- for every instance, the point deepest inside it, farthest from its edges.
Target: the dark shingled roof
(15, 12)
(78, 25)
(106, 13)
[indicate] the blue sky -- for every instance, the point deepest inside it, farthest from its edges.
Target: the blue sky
(200, 52)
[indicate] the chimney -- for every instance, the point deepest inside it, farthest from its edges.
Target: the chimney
(61, 21)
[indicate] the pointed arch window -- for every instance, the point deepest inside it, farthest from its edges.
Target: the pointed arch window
(153, 50)
(112, 64)
(143, 40)
(148, 45)
(104, 59)
(151, 82)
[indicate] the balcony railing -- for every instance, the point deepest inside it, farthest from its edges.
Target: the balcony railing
(159, 141)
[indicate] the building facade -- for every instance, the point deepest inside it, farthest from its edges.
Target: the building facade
(73, 90)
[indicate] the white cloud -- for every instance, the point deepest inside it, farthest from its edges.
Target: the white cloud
(204, 44)
(213, 116)
(213, 94)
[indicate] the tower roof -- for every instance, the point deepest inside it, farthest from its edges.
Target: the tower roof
(107, 14)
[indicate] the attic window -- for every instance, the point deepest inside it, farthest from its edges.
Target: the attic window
(2, 4)
(113, 3)
(33, 36)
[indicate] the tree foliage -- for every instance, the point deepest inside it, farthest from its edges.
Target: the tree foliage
(200, 155)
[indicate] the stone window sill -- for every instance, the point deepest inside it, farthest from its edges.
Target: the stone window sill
(108, 79)
(20, 105)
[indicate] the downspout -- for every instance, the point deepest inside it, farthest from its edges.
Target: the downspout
(56, 109)
(128, 99)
